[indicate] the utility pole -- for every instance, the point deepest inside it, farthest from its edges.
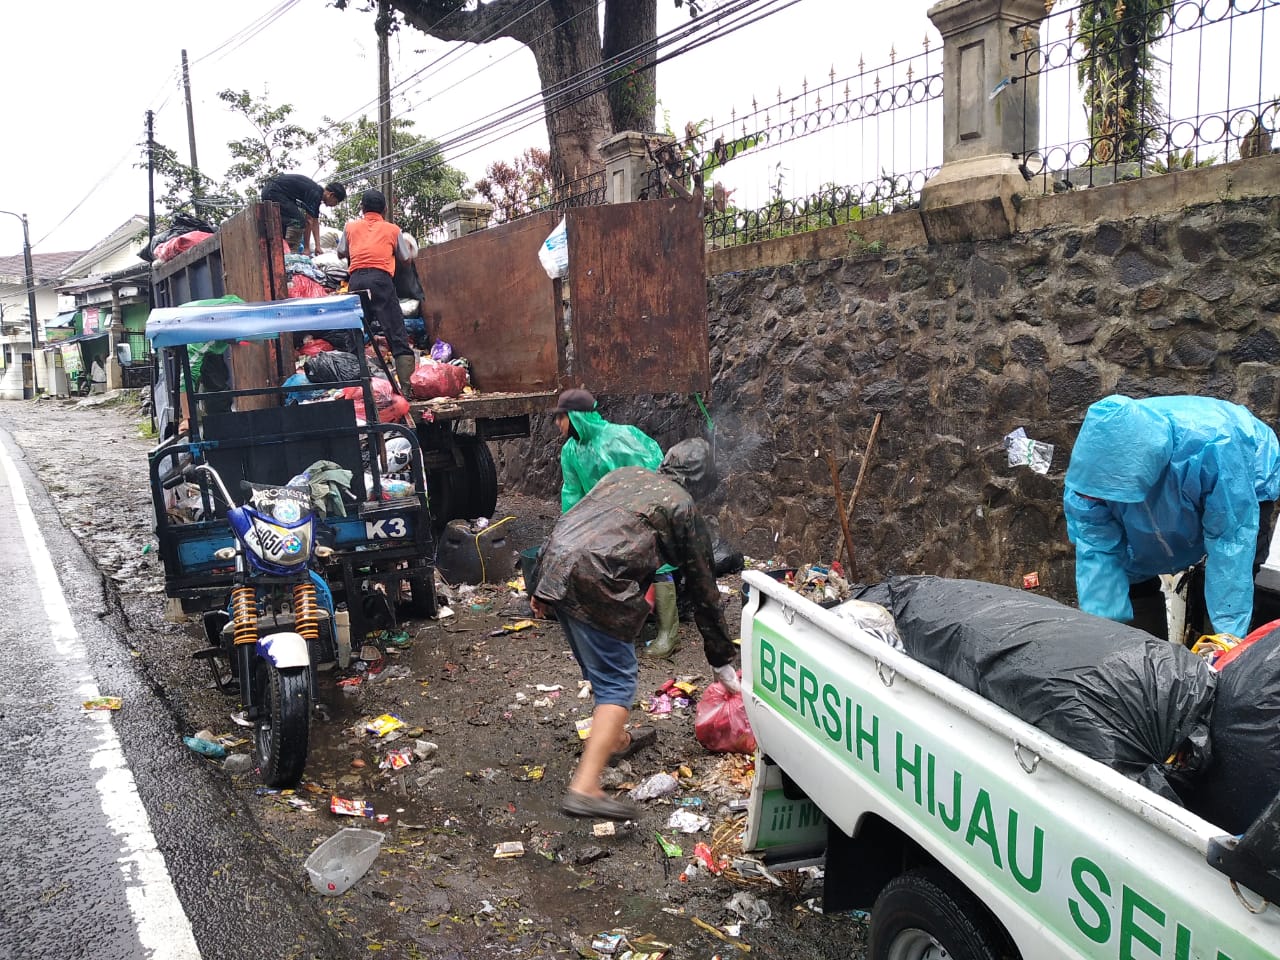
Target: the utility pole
(151, 179)
(191, 137)
(31, 298)
(383, 26)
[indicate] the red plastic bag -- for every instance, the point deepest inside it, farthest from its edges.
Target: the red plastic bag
(391, 406)
(313, 346)
(721, 723)
(300, 285)
(176, 245)
(431, 379)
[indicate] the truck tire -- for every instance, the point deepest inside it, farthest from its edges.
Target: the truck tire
(927, 915)
(481, 479)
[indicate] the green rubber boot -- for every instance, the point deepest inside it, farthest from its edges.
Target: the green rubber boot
(667, 642)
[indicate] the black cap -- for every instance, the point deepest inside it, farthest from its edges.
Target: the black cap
(575, 399)
(372, 201)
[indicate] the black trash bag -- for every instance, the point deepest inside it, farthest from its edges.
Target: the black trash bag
(725, 559)
(408, 286)
(1115, 693)
(332, 366)
(1245, 774)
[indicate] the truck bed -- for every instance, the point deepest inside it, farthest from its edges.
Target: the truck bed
(477, 406)
(1071, 857)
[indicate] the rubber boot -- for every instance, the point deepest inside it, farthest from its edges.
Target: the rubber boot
(667, 641)
(405, 365)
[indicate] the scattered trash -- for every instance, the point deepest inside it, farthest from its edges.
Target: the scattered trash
(686, 821)
(583, 726)
(397, 759)
(670, 849)
(424, 749)
(530, 773)
(381, 726)
(549, 687)
(590, 855)
(749, 907)
(813, 904)
(658, 785)
(1025, 452)
(659, 705)
(350, 808)
(512, 627)
(1030, 580)
(443, 612)
(606, 943)
(343, 859)
(237, 764)
(210, 749)
(369, 653)
(606, 829)
(241, 718)
(715, 932)
(708, 858)
(584, 689)
(103, 703)
(508, 850)
(390, 638)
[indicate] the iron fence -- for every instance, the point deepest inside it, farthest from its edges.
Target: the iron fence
(584, 192)
(1149, 87)
(878, 130)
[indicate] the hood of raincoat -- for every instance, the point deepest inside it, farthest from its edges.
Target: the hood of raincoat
(1123, 448)
(587, 424)
(690, 464)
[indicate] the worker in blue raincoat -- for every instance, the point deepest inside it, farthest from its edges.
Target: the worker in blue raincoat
(1154, 486)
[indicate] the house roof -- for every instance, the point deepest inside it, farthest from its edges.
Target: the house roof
(127, 233)
(45, 266)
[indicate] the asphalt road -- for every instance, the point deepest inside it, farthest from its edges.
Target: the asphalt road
(118, 842)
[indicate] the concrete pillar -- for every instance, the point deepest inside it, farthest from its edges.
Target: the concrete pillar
(989, 117)
(627, 164)
(115, 376)
(465, 216)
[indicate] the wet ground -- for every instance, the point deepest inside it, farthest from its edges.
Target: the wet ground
(504, 750)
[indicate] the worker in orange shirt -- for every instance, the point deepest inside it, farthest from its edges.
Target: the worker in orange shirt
(372, 246)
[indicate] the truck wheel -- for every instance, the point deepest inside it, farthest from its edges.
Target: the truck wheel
(927, 915)
(481, 479)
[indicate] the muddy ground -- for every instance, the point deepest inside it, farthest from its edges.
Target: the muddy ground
(436, 890)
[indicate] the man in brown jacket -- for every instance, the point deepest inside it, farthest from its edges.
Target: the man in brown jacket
(594, 571)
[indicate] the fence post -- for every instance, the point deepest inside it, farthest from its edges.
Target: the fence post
(465, 216)
(627, 164)
(989, 119)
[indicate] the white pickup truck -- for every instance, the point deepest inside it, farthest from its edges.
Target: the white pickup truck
(968, 833)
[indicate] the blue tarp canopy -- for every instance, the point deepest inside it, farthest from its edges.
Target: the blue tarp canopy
(176, 326)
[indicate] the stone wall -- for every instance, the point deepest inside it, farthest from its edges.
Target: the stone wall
(1159, 286)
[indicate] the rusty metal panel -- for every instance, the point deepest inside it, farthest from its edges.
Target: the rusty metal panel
(638, 292)
(488, 296)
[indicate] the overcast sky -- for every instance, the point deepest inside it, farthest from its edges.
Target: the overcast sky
(79, 76)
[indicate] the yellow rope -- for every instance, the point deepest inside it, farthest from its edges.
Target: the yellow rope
(479, 552)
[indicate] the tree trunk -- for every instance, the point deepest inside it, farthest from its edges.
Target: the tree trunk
(565, 40)
(630, 34)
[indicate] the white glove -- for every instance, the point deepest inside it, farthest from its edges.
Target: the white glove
(728, 676)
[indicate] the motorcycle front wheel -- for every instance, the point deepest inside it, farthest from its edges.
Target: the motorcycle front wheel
(282, 731)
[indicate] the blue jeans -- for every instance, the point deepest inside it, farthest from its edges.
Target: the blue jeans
(609, 663)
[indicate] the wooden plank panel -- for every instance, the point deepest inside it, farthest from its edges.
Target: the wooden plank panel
(487, 295)
(248, 259)
(637, 286)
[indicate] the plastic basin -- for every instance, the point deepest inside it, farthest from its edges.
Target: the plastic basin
(343, 859)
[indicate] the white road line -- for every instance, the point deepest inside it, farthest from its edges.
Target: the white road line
(162, 926)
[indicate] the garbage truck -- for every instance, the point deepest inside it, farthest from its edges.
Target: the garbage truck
(967, 832)
(628, 318)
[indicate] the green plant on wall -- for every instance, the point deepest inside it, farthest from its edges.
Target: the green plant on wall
(1117, 75)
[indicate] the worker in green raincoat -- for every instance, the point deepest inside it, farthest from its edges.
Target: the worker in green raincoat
(593, 446)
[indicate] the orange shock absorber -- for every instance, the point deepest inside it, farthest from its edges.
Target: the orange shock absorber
(305, 613)
(244, 614)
